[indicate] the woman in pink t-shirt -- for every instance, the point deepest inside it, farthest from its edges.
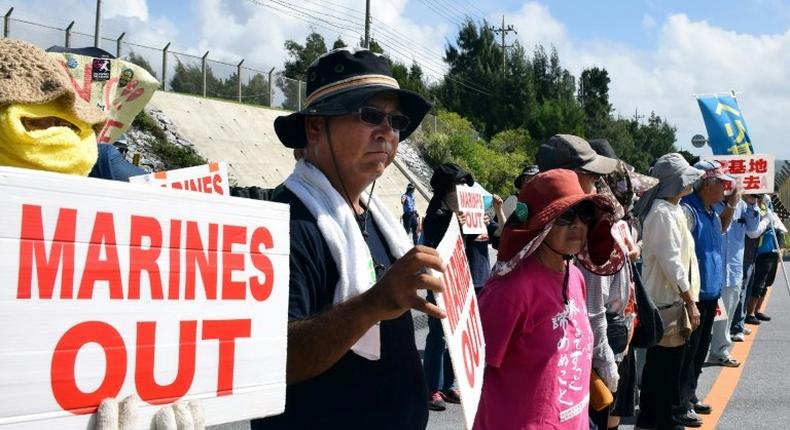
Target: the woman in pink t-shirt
(538, 337)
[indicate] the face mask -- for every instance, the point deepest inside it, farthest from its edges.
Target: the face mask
(55, 149)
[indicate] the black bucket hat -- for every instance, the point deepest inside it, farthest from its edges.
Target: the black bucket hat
(342, 81)
(530, 170)
(450, 174)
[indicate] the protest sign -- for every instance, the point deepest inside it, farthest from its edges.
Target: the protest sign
(113, 289)
(209, 178)
(470, 202)
(462, 328)
(119, 88)
(755, 173)
(721, 311)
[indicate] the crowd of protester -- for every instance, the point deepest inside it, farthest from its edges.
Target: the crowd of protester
(594, 261)
(696, 247)
(587, 251)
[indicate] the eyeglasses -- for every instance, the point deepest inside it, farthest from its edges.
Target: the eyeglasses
(373, 116)
(585, 211)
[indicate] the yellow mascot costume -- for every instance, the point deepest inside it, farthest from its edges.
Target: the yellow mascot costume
(44, 125)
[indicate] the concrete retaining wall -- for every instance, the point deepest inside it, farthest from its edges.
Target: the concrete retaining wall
(244, 137)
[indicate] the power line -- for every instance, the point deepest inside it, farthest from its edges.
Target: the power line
(482, 14)
(460, 11)
(395, 36)
(438, 10)
(386, 41)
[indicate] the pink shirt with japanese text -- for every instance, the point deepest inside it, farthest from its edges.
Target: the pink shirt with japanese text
(538, 351)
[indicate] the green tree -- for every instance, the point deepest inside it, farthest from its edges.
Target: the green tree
(653, 140)
(189, 79)
(593, 96)
(410, 78)
(494, 164)
(374, 45)
(339, 43)
(256, 90)
(295, 68)
(471, 85)
(139, 60)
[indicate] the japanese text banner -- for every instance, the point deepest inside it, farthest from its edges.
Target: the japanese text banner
(754, 173)
(727, 132)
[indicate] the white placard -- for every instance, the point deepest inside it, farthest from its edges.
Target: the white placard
(211, 178)
(470, 202)
(755, 173)
(112, 289)
(721, 311)
(462, 328)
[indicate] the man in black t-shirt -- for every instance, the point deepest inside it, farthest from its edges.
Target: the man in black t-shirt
(354, 118)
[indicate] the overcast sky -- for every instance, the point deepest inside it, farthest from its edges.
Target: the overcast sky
(658, 53)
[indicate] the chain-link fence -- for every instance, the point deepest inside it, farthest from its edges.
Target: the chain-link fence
(177, 71)
(182, 72)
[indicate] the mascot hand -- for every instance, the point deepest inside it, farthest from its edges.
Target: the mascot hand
(114, 415)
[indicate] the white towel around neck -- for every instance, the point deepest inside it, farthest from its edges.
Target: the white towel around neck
(340, 229)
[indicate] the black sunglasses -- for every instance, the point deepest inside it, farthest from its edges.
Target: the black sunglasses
(373, 116)
(585, 211)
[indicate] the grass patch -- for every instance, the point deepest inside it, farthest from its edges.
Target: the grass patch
(172, 156)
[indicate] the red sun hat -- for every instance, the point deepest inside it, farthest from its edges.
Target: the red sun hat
(547, 196)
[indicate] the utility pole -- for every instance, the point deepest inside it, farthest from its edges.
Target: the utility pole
(504, 31)
(367, 24)
(637, 117)
(97, 34)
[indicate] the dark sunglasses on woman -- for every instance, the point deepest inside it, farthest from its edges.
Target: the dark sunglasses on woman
(373, 116)
(585, 211)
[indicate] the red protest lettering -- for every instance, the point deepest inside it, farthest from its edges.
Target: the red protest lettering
(97, 268)
(135, 94)
(130, 88)
(471, 200)
(758, 165)
(261, 290)
(232, 261)
(474, 219)
(147, 387)
(32, 251)
(217, 182)
(751, 182)
(62, 378)
(226, 332)
(206, 261)
(737, 167)
(205, 182)
(104, 135)
(145, 259)
(83, 91)
(471, 343)
(174, 279)
(450, 299)
(457, 284)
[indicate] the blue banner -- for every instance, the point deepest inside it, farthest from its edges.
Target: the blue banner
(727, 132)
